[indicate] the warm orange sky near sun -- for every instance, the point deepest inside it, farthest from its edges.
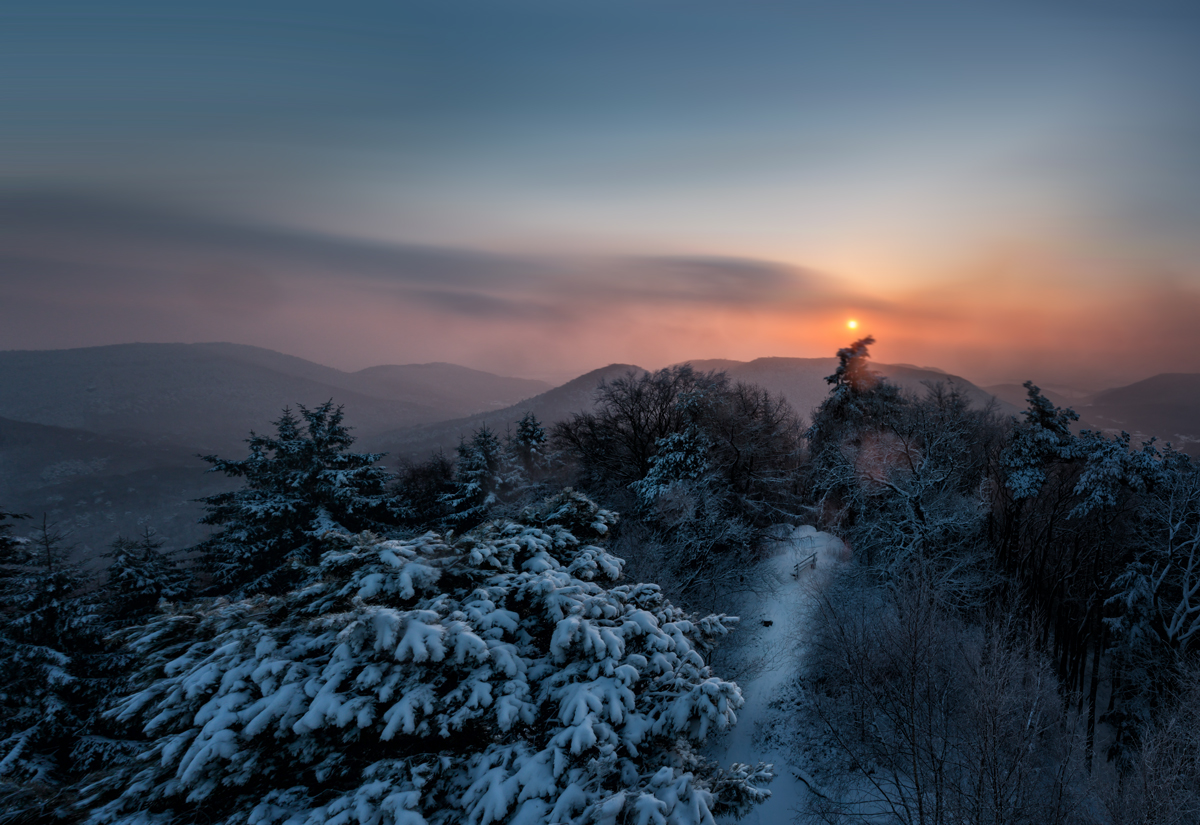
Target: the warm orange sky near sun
(1005, 191)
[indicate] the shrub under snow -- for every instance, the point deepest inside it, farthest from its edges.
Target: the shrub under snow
(494, 678)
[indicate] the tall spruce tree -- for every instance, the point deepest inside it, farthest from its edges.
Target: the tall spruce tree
(10, 548)
(479, 478)
(528, 446)
(139, 575)
(300, 484)
(50, 635)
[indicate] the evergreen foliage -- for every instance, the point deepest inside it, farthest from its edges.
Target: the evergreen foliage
(531, 457)
(299, 485)
(853, 376)
(509, 671)
(501, 677)
(138, 576)
(1091, 536)
(422, 490)
(50, 638)
(1067, 527)
(529, 443)
(491, 477)
(1043, 440)
(11, 551)
(479, 479)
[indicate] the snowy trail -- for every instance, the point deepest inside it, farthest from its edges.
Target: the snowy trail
(774, 620)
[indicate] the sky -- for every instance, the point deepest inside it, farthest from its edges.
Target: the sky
(1003, 189)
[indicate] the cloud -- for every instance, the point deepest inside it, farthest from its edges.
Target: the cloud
(706, 279)
(118, 248)
(88, 271)
(80, 272)
(479, 305)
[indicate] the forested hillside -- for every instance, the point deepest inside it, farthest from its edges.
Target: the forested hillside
(524, 630)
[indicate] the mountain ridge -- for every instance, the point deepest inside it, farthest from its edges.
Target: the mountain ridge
(211, 395)
(800, 380)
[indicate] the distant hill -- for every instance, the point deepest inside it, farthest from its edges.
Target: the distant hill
(1166, 406)
(919, 379)
(550, 407)
(96, 487)
(105, 439)
(209, 396)
(1018, 396)
(800, 380)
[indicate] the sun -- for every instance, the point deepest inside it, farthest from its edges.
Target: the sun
(852, 324)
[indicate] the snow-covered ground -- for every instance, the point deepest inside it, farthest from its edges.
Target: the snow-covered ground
(765, 657)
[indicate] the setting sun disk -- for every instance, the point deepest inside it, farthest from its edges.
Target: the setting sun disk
(852, 324)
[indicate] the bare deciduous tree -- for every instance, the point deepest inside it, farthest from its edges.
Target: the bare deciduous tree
(1159, 781)
(937, 721)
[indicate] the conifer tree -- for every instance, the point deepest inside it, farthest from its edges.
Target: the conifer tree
(528, 445)
(49, 636)
(479, 478)
(499, 677)
(138, 576)
(853, 375)
(300, 484)
(10, 548)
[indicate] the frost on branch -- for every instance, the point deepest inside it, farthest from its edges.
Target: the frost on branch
(499, 678)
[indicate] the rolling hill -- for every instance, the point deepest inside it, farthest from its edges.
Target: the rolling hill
(210, 396)
(550, 407)
(800, 380)
(95, 487)
(1166, 406)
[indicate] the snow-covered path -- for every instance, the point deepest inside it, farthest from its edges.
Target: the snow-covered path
(766, 656)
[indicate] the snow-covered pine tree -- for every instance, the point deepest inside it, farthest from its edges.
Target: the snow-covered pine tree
(1037, 443)
(299, 485)
(526, 464)
(138, 576)
(49, 633)
(1156, 597)
(853, 375)
(10, 548)
(502, 677)
(681, 457)
(528, 445)
(479, 478)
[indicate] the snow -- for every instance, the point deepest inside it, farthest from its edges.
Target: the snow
(773, 619)
(604, 683)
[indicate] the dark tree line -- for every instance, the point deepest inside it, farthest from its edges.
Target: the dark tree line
(979, 540)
